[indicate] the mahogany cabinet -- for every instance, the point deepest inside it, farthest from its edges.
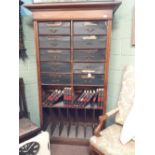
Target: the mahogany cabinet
(72, 47)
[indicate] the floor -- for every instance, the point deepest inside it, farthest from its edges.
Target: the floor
(72, 143)
(65, 149)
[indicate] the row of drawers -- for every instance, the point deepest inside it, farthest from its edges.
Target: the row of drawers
(78, 79)
(79, 27)
(97, 68)
(91, 41)
(78, 55)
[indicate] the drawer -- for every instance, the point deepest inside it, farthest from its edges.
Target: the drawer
(87, 79)
(48, 78)
(55, 67)
(92, 41)
(89, 55)
(54, 55)
(97, 68)
(54, 28)
(90, 27)
(54, 42)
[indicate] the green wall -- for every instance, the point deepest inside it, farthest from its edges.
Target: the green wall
(122, 53)
(28, 70)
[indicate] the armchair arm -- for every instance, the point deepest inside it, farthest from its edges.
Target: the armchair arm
(102, 119)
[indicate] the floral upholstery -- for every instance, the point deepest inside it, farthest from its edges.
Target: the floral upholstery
(126, 97)
(109, 142)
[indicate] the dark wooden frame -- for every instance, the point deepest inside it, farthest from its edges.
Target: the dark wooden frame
(73, 11)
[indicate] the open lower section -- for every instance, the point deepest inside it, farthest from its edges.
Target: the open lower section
(71, 122)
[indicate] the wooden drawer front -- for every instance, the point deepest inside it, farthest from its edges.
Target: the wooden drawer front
(55, 67)
(90, 42)
(85, 79)
(54, 55)
(90, 27)
(97, 68)
(89, 55)
(54, 42)
(55, 78)
(54, 28)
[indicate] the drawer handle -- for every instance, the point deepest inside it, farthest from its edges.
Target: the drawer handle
(89, 57)
(89, 43)
(56, 80)
(49, 38)
(89, 29)
(53, 30)
(54, 69)
(86, 77)
(54, 43)
(55, 57)
(54, 24)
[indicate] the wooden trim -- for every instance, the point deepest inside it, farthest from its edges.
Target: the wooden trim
(73, 15)
(38, 71)
(71, 55)
(106, 71)
(74, 5)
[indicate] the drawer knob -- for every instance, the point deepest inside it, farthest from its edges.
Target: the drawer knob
(89, 43)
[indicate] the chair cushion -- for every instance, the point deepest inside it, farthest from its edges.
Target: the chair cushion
(126, 97)
(109, 142)
(128, 130)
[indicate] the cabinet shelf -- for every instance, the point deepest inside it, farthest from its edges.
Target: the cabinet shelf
(72, 106)
(54, 35)
(50, 48)
(84, 85)
(63, 85)
(56, 61)
(88, 61)
(60, 73)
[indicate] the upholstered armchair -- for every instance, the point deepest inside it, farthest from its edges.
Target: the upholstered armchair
(118, 139)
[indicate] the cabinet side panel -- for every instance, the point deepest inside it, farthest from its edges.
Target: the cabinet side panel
(106, 69)
(38, 70)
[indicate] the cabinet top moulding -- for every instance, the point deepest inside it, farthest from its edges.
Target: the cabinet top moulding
(73, 10)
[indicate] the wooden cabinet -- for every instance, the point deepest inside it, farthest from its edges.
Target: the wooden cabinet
(73, 48)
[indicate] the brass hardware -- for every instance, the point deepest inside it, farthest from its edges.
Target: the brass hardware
(54, 43)
(90, 29)
(89, 24)
(50, 38)
(87, 77)
(89, 37)
(89, 43)
(88, 71)
(55, 57)
(54, 24)
(54, 51)
(53, 30)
